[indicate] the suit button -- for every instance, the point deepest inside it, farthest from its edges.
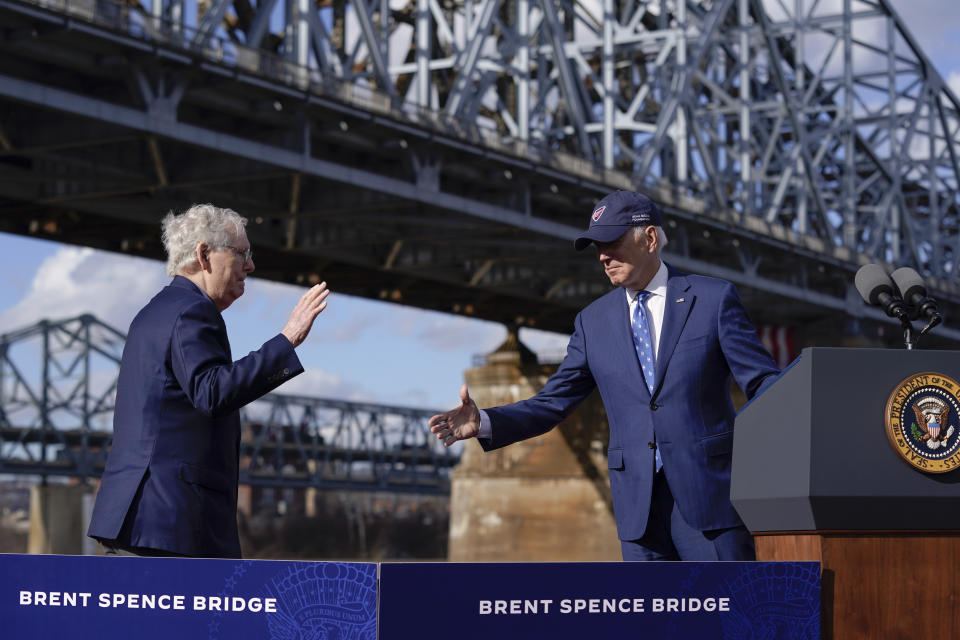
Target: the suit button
(286, 372)
(652, 445)
(654, 406)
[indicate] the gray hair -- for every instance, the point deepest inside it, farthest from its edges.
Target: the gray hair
(205, 223)
(661, 236)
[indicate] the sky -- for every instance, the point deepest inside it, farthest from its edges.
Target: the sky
(359, 349)
(935, 25)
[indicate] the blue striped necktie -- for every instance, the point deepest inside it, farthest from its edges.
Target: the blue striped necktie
(644, 347)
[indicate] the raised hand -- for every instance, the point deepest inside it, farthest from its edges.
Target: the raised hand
(305, 312)
(457, 424)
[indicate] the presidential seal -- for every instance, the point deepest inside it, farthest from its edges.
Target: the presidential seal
(923, 420)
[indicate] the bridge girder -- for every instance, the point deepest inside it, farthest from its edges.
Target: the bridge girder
(443, 154)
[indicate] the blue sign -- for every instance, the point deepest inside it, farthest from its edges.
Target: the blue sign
(601, 600)
(101, 598)
(79, 597)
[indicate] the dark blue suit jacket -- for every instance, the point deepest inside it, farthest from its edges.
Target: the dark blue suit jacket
(706, 337)
(171, 477)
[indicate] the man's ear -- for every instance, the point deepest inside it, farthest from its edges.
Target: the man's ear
(653, 240)
(202, 254)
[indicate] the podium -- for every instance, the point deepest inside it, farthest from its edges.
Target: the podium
(817, 478)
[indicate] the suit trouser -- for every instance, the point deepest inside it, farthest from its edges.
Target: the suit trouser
(669, 537)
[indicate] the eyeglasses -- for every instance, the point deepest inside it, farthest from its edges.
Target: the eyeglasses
(245, 254)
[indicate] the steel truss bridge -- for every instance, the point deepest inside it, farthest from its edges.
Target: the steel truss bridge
(443, 153)
(57, 388)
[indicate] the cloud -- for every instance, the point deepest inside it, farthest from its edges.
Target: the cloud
(318, 383)
(953, 81)
(933, 29)
(323, 384)
(350, 331)
(546, 344)
(442, 331)
(75, 281)
(925, 19)
(448, 333)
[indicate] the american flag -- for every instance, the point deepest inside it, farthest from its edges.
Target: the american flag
(778, 340)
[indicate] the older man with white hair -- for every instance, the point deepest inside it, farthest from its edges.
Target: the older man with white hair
(170, 483)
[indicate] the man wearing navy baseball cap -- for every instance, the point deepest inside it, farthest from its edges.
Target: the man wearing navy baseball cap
(615, 215)
(662, 348)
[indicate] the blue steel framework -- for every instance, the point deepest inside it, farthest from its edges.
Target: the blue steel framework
(57, 388)
(443, 153)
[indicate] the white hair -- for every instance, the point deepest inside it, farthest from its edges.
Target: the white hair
(661, 236)
(214, 226)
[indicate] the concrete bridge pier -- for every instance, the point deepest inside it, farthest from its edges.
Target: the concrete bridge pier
(59, 516)
(544, 499)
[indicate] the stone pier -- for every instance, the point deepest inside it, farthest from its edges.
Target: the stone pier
(543, 499)
(59, 515)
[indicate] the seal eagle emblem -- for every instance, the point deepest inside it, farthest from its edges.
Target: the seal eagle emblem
(922, 419)
(932, 414)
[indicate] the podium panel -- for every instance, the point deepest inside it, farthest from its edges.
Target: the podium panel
(811, 452)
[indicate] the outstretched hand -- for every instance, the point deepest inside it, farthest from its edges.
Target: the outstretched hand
(305, 312)
(457, 424)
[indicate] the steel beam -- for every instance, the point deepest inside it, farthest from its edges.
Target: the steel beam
(824, 123)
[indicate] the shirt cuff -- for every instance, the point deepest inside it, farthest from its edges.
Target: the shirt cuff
(486, 431)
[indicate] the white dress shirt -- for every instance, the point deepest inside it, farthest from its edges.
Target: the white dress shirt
(655, 304)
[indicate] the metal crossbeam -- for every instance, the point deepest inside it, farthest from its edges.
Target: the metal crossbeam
(448, 151)
(57, 388)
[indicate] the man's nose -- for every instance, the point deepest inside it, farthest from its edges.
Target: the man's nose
(248, 266)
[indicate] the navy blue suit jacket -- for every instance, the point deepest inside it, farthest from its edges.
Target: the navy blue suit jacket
(706, 337)
(170, 481)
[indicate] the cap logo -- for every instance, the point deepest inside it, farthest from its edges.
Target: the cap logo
(598, 213)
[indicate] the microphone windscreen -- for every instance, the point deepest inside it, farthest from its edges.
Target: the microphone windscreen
(871, 280)
(908, 282)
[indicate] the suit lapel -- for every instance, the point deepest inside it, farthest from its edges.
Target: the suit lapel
(676, 310)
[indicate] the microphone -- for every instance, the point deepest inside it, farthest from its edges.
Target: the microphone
(914, 293)
(876, 289)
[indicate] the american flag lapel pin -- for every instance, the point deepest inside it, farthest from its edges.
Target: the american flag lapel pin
(680, 299)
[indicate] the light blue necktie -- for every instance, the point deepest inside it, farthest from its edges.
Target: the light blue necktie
(644, 346)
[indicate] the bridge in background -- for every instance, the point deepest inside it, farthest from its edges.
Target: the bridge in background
(442, 154)
(57, 388)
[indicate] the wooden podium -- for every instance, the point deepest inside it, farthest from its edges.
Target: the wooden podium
(816, 478)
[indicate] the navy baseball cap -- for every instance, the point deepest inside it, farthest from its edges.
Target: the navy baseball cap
(616, 213)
